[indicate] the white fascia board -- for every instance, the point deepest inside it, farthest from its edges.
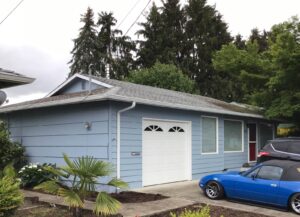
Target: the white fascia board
(66, 82)
(184, 107)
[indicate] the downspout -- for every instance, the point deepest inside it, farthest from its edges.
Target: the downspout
(119, 137)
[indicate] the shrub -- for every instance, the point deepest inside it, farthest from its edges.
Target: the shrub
(84, 172)
(204, 212)
(34, 174)
(10, 152)
(10, 195)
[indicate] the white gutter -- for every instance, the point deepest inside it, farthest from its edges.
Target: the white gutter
(119, 137)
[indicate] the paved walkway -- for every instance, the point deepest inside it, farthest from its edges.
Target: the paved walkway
(127, 210)
(191, 191)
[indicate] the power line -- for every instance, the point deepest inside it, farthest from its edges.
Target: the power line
(136, 3)
(11, 11)
(138, 17)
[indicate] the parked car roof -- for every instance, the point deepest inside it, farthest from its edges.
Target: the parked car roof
(291, 169)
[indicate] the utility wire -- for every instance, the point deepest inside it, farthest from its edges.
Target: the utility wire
(137, 17)
(124, 18)
(11, 11)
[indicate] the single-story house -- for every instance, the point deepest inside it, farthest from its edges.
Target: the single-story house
(151, 135)
(10, 78)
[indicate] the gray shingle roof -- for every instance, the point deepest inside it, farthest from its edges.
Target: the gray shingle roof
(142, 94)
(10, 78)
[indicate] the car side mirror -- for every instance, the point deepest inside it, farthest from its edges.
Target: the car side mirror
(253, 176)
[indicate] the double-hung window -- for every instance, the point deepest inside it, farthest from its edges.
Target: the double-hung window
(209, 135)
(233, 136)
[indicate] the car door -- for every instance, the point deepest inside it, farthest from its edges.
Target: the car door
(260, 185)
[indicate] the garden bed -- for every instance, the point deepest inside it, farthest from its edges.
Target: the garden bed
(132, 197)
(215, 211)
(123, 197)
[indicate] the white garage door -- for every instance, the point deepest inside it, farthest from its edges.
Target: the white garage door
(166, 152)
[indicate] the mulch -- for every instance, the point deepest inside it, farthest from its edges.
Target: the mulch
(215, 211)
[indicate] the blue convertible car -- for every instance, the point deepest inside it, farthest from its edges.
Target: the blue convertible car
(274, 182)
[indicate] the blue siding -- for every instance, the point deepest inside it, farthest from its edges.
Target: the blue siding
(131, 141)
(78, 85)
(47, 133)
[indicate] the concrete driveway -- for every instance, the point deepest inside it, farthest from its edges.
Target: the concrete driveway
(189, 190)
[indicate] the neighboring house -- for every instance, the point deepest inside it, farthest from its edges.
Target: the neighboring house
(10, 78)
(151, 135)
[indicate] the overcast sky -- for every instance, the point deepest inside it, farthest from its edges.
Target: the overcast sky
(36, 39)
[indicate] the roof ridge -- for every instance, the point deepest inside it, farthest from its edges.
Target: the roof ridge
(159, 88)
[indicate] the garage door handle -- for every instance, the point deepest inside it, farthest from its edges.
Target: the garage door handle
(274, 185)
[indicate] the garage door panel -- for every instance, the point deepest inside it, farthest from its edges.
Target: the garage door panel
(165, 153)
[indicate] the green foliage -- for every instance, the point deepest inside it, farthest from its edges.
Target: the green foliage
(244, 72)
(101, 49)
(10, 152)
(85, 50)
(10, 195)
(204, 212)
(163, 76)
(34, 174)
(186, 36)
(263, 74)
(84, 173)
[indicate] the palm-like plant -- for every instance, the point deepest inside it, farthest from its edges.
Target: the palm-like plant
(84, 173)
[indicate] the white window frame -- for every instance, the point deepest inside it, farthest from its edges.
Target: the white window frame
(243, 139)
(217, 135)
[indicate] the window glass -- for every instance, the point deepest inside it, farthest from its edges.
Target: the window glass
(209, 135)
(233, 135)
(266, 133)
(254, 172)
(280, 146)
(270, 173)
(294, 147)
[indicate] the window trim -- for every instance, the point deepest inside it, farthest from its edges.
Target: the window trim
(217, 135)
(243, 135)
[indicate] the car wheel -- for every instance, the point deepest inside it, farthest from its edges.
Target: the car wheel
(214, 190)
(295, 203)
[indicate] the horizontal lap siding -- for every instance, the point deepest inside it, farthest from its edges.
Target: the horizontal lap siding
(50, 132)
(131, 141)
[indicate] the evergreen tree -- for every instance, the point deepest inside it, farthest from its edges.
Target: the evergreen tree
(260, 38)
(239, 42)
(205, 33)
(173, 19)
(85, 51)
(186, 37)
(150, 49)
(115, 50)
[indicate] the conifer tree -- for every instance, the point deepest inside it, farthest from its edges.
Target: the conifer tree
(150, 49)
(205, 34)
(115, 49)
(84, 53)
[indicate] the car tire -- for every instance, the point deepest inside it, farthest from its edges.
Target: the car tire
(214, 190)
(295, 203)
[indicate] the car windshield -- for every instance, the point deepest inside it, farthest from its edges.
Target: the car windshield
(247, 172)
